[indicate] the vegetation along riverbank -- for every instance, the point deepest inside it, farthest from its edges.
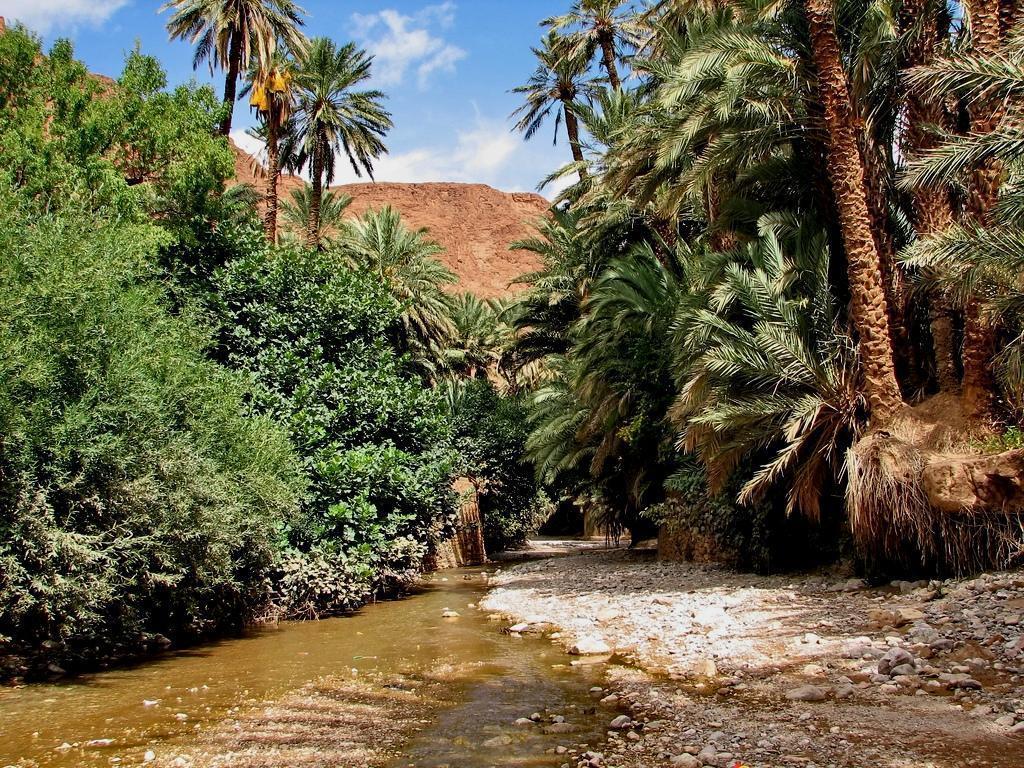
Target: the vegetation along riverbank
(770, 318)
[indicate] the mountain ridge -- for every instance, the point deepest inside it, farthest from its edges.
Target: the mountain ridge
(474, 223)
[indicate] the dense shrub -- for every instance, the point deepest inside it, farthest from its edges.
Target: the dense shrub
(315, 337)
(491, 432)
(137, 496)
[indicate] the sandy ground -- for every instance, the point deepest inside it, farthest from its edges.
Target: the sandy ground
(718, 669)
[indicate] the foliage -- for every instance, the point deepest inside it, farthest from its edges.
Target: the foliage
(490, 431)
(758, 536)
(139, 497)
(314, 336)
(404, 260)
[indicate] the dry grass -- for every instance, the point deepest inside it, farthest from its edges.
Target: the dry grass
(891, 516)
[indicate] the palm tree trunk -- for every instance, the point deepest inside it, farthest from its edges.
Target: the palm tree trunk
(869, 308)
(983, 189)
(608, 59)
(317, 171)
(932, 207)
(572, 127)
(231, 82)
(274, 171)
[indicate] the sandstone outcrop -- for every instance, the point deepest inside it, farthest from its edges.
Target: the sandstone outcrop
(474, 223)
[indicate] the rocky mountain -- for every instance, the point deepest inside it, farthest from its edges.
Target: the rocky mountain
(474, 223)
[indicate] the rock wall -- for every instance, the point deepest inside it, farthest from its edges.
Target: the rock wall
(474, 223)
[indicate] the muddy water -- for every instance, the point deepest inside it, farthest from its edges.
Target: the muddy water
(163, 704)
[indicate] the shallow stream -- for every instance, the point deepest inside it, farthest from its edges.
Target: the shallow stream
(163, 704)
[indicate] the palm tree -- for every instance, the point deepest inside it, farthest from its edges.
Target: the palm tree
(868, 305)
(331, 116)
(478, 336)
(235, 34)
(332, 210)
(555, 86)
(273, 97)
(598, 25)
(406, 260)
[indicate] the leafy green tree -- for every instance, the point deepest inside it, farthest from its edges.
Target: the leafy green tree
(491, 433)
(315, 336)
(140, 497)
(235, 34)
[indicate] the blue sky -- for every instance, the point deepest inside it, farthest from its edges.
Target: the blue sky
(447, 66)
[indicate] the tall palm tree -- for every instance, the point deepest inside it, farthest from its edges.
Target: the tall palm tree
(331, 116)
(406, 260)
(599, 25)
(868, 305)
(554, 87)
(235, 34)
(272, 95)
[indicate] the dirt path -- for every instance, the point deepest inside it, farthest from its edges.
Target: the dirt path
(783, 671)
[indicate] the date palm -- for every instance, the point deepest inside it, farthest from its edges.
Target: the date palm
(332, 116)
(295, 214)
(599, 25)
(235, 34)
(272, 95)
(554, 87)
(406, 260)
(869, 306)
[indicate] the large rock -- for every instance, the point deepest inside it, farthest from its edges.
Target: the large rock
(976, 483)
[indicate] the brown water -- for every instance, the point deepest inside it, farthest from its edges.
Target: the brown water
(140, 708)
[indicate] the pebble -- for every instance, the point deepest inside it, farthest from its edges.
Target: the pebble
(806, 693)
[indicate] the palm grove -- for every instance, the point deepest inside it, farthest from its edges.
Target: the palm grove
(780, 294)
(215, 408)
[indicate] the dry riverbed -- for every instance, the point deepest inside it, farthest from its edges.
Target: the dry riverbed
(725, 669)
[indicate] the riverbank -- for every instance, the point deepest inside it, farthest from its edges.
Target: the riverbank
(783, 671)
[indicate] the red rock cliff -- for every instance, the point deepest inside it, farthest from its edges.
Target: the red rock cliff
(474, 223)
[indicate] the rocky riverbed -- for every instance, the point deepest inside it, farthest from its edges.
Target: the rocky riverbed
(722, 669)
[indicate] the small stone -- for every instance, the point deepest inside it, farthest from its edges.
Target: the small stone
(498, 741)
(448, 613)
(149, 757)
(559, 728)
(903, 669)
(521, 627)
(590, 645)
(686, 761)
(894, 657)
(806, 693)
(620, 722)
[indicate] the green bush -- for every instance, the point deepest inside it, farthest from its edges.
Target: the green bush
(316, 339)
(138, 497)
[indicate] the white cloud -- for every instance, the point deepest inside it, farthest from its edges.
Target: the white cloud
(480, 154)
(45, 15)
(485, 153)
(401, 43)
